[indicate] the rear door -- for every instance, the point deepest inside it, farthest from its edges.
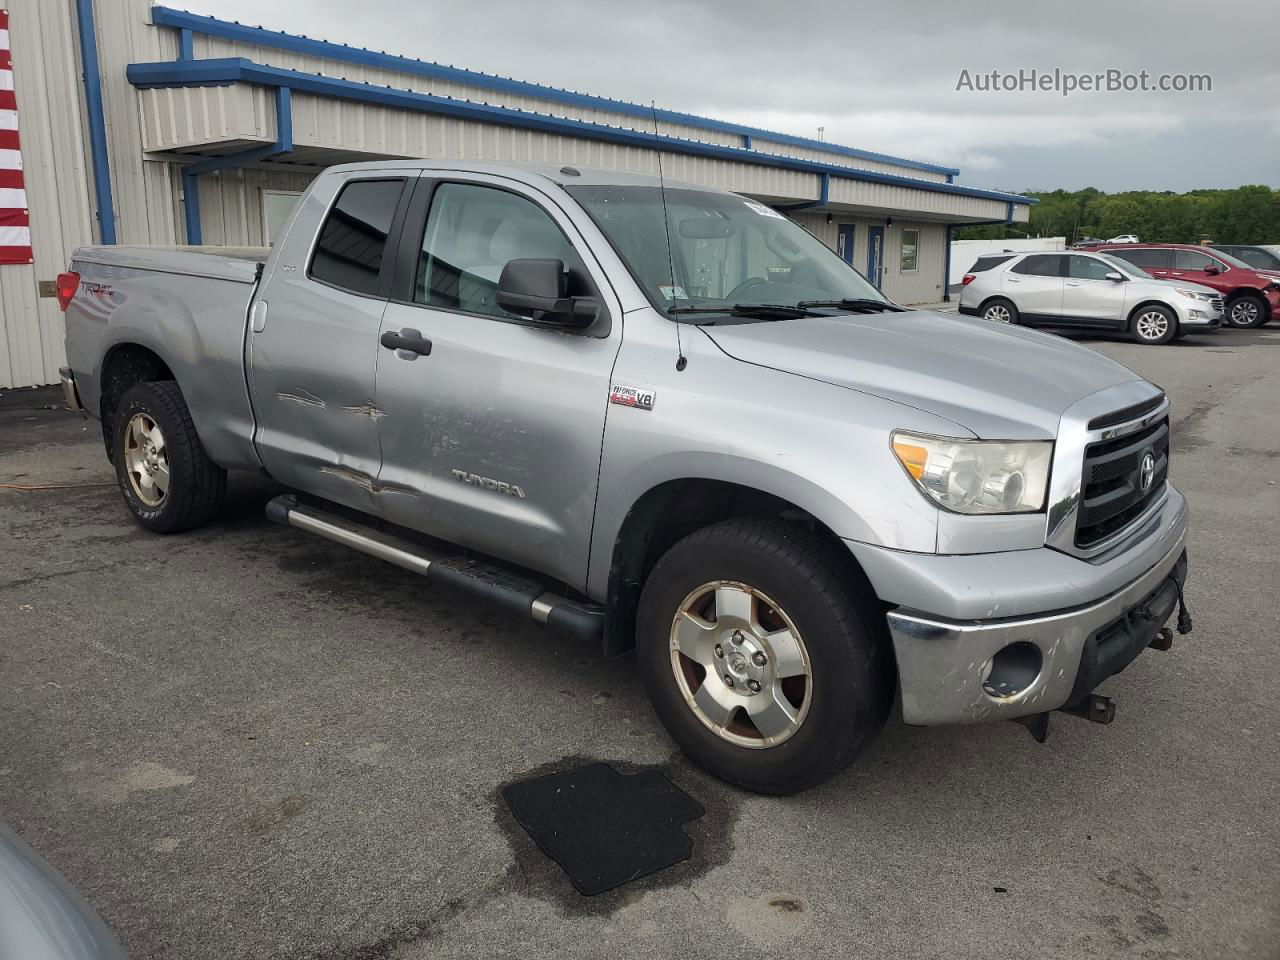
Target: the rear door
(1157, 261)
(1088, 297)
(313, 342)
(492, 439)
(1034, 284)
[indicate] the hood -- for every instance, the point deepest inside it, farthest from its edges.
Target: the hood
(999, 382)
(1186, 285)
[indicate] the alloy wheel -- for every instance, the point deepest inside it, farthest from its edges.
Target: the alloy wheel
(1152, 325)
(998, 313)
(1244, 313)
(146, 460)
(740, 664)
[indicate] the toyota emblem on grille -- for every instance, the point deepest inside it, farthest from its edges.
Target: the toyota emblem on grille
(1147, 472)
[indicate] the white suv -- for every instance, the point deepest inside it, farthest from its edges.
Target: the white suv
(1090, 290)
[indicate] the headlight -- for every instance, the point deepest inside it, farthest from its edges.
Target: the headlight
(1194, 294)
(977, 476)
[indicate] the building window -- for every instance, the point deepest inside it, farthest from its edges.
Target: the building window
(910, 251)
(276, 207)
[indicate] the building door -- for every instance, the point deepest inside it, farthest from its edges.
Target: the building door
(875, 256)
(844, 242)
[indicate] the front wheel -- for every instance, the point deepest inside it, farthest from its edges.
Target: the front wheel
(1247, 310)
(766, 659)
(1154, 325)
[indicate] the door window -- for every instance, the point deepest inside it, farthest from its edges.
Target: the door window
(910, 259)
(1040, 265)
(1193, 260)
(1087, 268)
(354, 236)
(1149, 258)
(472, 231)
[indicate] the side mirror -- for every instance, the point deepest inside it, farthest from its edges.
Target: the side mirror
(1212, 270)
(1116, 276)
(538, 289)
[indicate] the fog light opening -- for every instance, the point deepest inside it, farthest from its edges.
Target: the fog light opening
(1012, 670)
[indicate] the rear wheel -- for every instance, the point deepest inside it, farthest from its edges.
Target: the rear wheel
(1000, 310)
(1246, 310)
(167, 479)
(1154, 325)
(767, 662)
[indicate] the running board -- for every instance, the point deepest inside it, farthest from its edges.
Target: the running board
(522, 595)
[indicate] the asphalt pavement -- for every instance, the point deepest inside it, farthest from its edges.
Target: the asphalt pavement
(244, 742)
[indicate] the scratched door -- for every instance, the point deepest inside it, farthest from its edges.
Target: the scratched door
(313, 344)
(491, 427)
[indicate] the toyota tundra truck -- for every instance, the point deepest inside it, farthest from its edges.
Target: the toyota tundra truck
(665, 418)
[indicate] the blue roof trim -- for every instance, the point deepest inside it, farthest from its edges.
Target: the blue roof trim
(211, 26)
(197, 73)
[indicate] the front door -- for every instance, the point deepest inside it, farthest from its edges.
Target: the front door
(875, 256)
(492, 439)
(313, 342)
(1088, 297)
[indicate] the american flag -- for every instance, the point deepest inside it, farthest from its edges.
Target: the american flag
(15, 223)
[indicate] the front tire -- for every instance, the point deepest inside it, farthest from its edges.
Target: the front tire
(765, 656)
(1154, 325)
(1000, 310)
(168, 481)
(1247, 310)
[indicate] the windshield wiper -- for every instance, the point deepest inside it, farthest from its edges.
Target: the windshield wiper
(855, 304)
(759, 311)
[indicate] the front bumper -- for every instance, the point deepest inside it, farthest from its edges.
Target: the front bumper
(944, 661)
(1198, 315)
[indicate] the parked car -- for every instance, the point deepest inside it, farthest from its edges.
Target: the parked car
(1252, 296)
(1087, 290)
(1260, 257)
(1086, 242)
(42, 917)
(787, 493)
(1124, 238)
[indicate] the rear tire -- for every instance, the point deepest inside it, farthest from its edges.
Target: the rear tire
(1153, 325)
(168, 481)
(777, 610)
(1246, 310)
(1000, 310)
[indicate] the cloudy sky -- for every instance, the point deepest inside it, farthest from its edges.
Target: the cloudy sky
(882, 76)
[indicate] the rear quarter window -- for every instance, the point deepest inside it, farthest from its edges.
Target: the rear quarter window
(353, 238)
(983, 264)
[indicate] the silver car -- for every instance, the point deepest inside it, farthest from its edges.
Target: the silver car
(1092, 290)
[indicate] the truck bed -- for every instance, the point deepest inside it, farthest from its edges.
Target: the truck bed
(237, 264)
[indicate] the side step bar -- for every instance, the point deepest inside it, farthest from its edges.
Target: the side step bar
(519, 594)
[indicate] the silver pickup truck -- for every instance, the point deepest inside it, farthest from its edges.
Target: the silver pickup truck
(667, 418)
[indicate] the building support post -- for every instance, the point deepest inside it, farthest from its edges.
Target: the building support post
(96, 121)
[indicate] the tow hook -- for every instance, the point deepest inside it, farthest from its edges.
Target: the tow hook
(1163, 640)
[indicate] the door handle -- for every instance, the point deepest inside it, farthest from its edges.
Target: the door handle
(1013, 279)
(407, 341)
(1073, 283)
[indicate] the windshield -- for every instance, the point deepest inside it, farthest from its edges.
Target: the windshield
(1124, 266)
(725, 250)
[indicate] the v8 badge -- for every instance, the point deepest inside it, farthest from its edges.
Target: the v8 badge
(640, 397)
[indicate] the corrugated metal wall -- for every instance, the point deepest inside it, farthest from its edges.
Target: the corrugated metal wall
(46, 80)
(923, 285)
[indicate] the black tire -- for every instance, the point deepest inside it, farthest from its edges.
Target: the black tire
(1246, 310)
(195, 486)
(995, 305)
(1153, 324)
(834, 611)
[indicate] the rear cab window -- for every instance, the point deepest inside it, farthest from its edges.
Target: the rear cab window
(352, 243)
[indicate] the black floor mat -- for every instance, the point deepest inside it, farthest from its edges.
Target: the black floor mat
(605, 828)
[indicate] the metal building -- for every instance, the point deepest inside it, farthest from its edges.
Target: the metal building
(146, 124)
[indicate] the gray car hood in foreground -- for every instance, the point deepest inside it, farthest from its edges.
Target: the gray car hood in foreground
(1000, 382)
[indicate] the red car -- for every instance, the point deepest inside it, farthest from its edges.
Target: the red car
(1252, 295)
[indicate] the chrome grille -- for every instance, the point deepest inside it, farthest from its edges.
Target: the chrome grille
(1111, 495)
